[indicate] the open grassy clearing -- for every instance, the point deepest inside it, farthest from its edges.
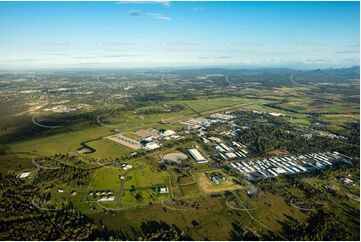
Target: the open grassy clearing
(291, 91)
(190, 190)
(107, 149)
(146, 176)
(207, 186)
(209, 105)
(262, 108)
(339, 119)
(60, 143)
(315, 106)
(106, 178)
(302, 121)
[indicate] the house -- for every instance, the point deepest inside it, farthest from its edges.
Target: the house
(163, 190)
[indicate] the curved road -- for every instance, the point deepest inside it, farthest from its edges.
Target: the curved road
(296, 83)
(45, 126)
(230, 81)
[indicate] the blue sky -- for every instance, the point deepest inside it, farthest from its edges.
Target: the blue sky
(178, 34)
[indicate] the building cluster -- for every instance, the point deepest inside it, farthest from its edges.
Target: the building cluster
(60, 109)
(215, 177)
(197, 123)
(200, 124)
(227, 152)
(126, 166)
(153, 141)
(102, 195)
(287, 165)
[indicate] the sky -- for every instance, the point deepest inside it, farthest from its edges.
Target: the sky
(300, 35)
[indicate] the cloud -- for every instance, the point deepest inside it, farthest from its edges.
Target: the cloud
(136, 14)
(348, 52)
(214, 57)
(20, 59)
(315, 61)
(100, 56)
(353, 45)
(198, 8)
(163, 3)
(114, 45)
(49, 46)
(156, 16)
(180, 46)
(308, 46)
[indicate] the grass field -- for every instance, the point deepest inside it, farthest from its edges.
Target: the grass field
(340, 119)
(107, 149)
(60, 143)
(106, 178)
(207, 186)
(315, 106)
(190, 190)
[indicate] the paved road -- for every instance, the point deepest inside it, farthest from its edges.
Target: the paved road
(296, 83)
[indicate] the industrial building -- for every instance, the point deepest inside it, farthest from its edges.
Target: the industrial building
(287, 165)
(197, 156)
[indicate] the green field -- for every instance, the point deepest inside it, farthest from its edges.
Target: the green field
(108, 149)
(106, 178)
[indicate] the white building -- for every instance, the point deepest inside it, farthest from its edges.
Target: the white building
(163, 190)
(168, 132)
(151, 146)
(197, 156)
(231, 155)
(24, 175)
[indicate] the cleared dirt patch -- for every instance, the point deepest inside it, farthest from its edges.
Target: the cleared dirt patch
(131, 143)
(147, 132)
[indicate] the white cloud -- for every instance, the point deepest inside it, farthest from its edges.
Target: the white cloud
(198, 8)
(164, 3)
(157, 16)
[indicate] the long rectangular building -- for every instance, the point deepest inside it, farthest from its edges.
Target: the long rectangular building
(197, 156)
